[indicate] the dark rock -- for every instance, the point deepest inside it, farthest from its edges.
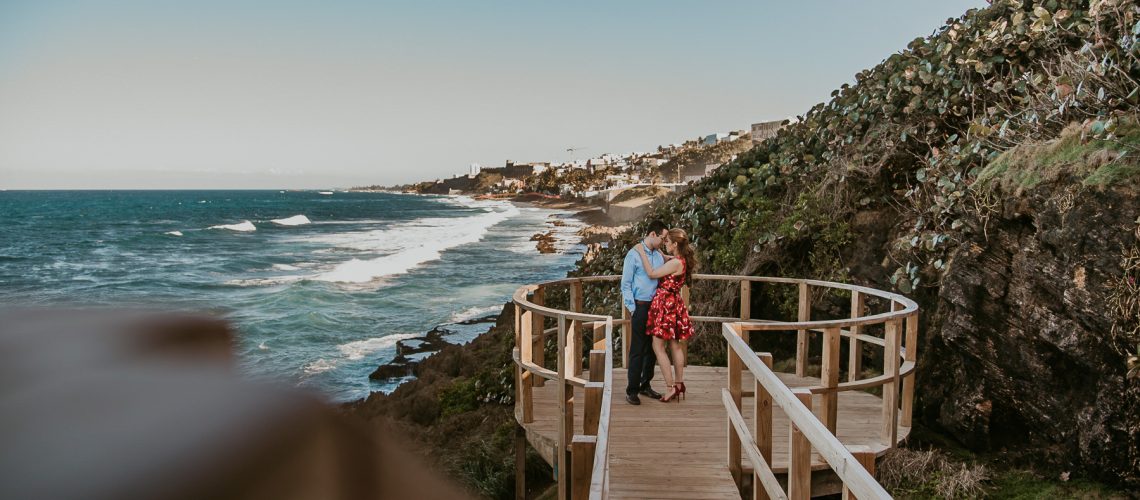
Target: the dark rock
(1019, 355)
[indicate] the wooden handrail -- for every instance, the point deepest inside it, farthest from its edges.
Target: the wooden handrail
(849, 470)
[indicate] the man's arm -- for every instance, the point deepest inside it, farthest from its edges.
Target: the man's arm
(627, 270)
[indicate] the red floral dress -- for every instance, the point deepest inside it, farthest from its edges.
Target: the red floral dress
(668, 316)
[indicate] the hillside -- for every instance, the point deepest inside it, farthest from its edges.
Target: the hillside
(988, 171)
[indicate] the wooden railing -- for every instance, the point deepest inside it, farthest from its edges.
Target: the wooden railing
(582, 459)
(852, 466)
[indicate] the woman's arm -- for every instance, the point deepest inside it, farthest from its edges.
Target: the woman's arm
(669, 267)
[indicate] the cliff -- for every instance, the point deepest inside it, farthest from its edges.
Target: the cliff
(988, 171)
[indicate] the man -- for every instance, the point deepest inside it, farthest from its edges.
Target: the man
(637, 290)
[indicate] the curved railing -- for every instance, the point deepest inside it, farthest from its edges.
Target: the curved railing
(581, 460)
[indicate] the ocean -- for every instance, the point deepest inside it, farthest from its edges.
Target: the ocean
(320, 285)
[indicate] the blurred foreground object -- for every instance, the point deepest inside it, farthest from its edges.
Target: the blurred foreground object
(140, 405)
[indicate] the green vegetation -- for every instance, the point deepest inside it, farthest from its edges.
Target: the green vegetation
(1100, 154)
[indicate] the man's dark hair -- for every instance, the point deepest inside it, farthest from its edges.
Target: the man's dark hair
(656, 226)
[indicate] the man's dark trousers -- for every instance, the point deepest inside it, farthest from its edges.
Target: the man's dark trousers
(641, 358)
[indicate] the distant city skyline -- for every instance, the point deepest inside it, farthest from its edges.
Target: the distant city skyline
(168, 95)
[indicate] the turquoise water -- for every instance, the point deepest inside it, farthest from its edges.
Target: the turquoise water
(318, 300)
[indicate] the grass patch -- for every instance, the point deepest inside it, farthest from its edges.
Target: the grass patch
(931, 474)
(1097, 160)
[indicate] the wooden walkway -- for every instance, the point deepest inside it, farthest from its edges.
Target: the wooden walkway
(677, 450)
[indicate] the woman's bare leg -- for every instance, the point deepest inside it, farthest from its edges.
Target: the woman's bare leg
(678, 359)
(663, 362)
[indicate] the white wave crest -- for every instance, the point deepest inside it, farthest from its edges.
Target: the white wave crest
(285, 267)
(407, 245)
(318, 366)
(296, 220)
(174, 233)
(243, 226)
(475, 313)
(361, 348)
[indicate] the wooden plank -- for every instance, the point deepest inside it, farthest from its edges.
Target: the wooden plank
(866, 458)
(829, 376)
(802, 350)
(520, 462)
(855, 345)
(911, 355)
(799, 466)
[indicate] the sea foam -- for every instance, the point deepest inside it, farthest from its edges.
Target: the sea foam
(475, 313)
(361, 348)
(296, 220)
(409, 244)
(243, 226)
(174, 233)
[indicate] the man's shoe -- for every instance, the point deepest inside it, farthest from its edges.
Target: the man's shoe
(649, 392)
(632, 399)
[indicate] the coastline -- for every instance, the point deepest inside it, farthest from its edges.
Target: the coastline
(595, 230)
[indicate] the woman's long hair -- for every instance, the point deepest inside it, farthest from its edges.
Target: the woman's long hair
(684, 251)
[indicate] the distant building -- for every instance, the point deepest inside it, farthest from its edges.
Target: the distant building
(475, 169)
(712, 139)
(765, 130)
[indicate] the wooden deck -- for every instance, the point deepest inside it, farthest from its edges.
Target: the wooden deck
(677, 450)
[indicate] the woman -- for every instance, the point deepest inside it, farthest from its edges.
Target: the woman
(668, 316)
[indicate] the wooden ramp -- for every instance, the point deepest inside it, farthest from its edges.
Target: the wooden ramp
(677, 450)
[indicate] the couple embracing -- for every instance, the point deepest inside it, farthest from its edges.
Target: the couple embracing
(651, 284)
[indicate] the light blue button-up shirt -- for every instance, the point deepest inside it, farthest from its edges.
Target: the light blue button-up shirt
(635, 281)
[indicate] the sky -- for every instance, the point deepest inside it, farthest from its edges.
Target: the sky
(163, 94)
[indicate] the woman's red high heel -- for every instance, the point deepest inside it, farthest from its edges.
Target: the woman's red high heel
(676, 390)
(681, 389)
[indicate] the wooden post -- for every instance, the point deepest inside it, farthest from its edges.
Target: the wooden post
(526, 379)
(855, 353)
(576, 327)
(565, 417)
(599, 338)
(734, 367)
(573, 352)
(625, 336)
(799, 462)
(576, 296)
(593, 408)
(538, 336)
(745, 300)
(802, 349)
(911, 355)
(520, 462)
(583, 455)
(891, 389)
(762, 432)
(829, 377)
(866, 458)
